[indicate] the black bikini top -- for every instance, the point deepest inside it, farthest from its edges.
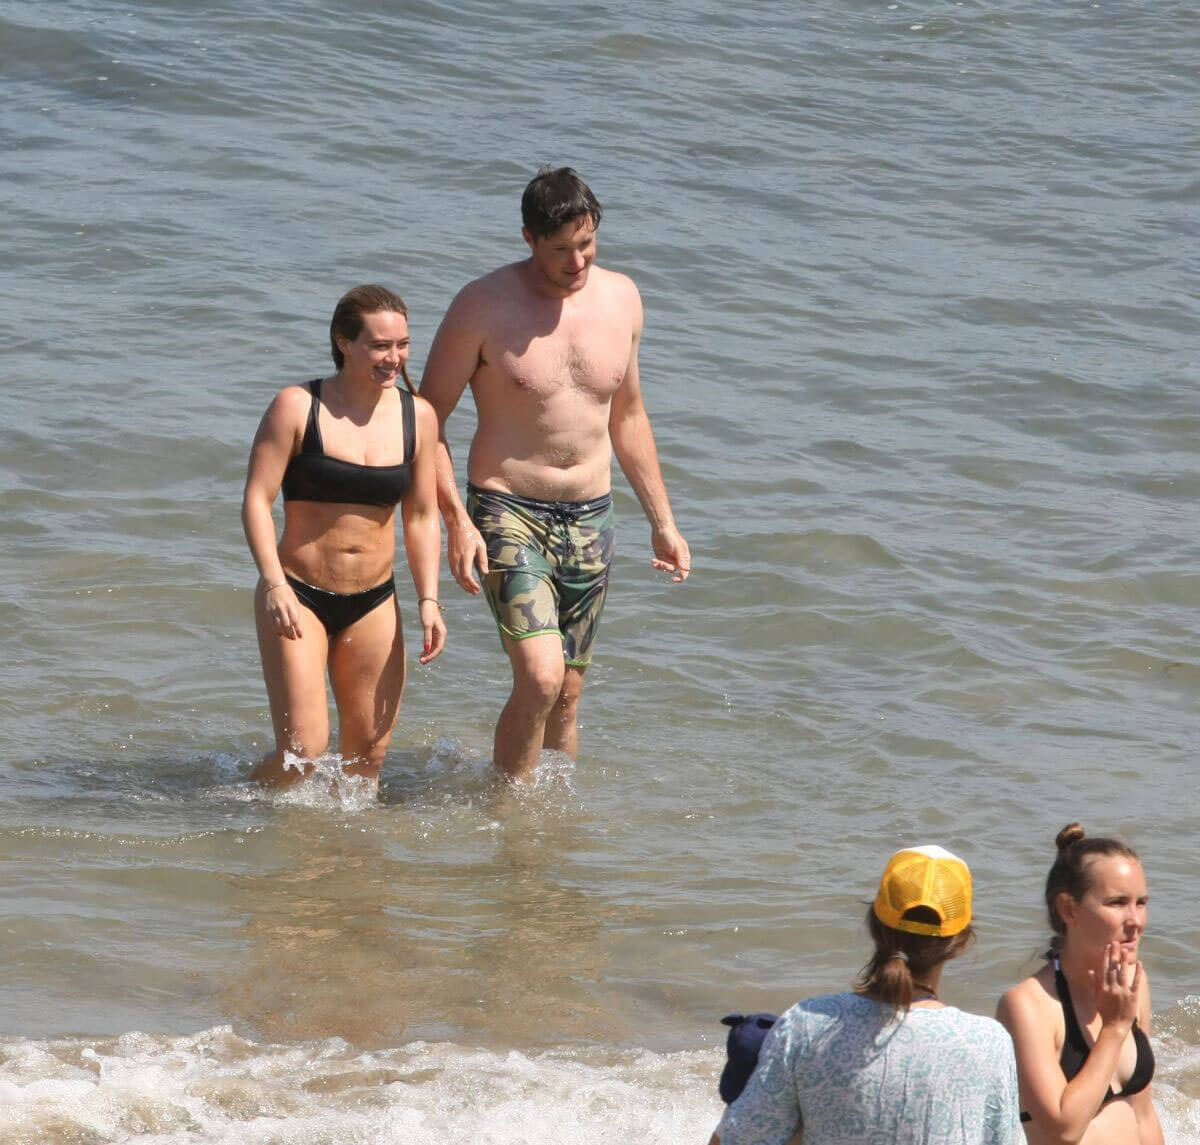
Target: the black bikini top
(1076, 1049)
(313, 476)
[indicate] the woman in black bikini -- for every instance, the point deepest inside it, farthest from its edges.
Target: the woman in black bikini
(345, 451)
(1080, 1025)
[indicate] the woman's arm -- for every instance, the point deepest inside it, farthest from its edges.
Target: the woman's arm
(1149, 1128)
(277, 439)
(422, 531)
(1062, 1110)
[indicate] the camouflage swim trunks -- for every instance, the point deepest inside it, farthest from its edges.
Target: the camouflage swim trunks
(548, 565)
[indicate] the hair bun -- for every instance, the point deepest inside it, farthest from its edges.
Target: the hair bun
(1068, 836)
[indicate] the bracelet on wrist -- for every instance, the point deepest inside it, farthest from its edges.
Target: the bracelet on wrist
(432, 600)
(271, 587)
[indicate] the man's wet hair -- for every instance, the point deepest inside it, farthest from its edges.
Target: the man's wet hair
(555, 197)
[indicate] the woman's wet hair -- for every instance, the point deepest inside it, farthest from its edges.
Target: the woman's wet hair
(1071, 873)
(554, 198)
(352, 308)
(903, 961)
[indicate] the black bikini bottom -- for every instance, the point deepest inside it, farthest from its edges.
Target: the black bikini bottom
(337, 610)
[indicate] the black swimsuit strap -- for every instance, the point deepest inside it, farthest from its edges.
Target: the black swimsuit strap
(312, 431)
(1074, 1030)
(408, 407)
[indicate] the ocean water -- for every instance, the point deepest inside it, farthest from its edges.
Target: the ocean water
(921, 289)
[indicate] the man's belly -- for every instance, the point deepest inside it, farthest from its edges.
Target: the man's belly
(546, 474)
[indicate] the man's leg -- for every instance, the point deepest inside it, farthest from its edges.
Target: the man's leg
(562, 725)
(582, 579)
(538, 671)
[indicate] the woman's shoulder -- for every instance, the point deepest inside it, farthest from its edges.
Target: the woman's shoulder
(286, 416)
(832, 1004)
(1037, 990)
(423, 406)
(292, 400)
(826, 1010)
(979, 1027)
(1032, 1008)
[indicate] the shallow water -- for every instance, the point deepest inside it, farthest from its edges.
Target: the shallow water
(920, 299)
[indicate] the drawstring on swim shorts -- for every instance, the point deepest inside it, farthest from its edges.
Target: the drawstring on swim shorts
(562, 514)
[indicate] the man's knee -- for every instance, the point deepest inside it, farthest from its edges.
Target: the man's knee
(570, 690)
(538, 684)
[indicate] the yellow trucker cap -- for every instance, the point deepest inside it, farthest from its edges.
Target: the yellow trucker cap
(928, 876)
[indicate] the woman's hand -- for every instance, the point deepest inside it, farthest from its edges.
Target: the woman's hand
(283, 610)
(1116, 988)
(434, 628)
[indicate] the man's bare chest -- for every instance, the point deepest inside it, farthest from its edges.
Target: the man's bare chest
(589, 360)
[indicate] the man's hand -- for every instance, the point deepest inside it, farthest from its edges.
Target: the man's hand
(465, 548)
(671, 552)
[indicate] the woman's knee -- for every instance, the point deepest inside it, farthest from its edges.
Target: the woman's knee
(306, 743)
(301, 729)
(365, 756)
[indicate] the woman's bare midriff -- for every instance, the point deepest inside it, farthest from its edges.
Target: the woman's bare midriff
(1115, 1124)
(338, 547)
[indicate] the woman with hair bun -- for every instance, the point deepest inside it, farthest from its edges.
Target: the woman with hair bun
(1081, 1024)
(346, 452)
(888, 1062)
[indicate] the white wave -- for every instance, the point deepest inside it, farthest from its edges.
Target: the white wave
(215, 1087)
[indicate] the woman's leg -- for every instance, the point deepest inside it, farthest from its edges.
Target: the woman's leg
(366, 668)
(294, 671)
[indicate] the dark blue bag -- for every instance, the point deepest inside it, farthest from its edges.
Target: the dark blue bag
(742, 1046)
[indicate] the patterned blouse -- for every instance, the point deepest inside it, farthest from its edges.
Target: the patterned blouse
(841, 1069)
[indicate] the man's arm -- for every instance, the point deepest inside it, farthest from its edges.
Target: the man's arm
(453, 359)
(633, 443)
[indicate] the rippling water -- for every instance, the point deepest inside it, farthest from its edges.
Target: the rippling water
(921, 287)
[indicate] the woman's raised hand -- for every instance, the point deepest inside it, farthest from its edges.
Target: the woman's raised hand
(1117, 982)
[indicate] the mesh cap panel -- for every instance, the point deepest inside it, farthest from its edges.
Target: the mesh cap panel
(928, 877)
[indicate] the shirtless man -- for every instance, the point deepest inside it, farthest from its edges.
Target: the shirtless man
(549, 347)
